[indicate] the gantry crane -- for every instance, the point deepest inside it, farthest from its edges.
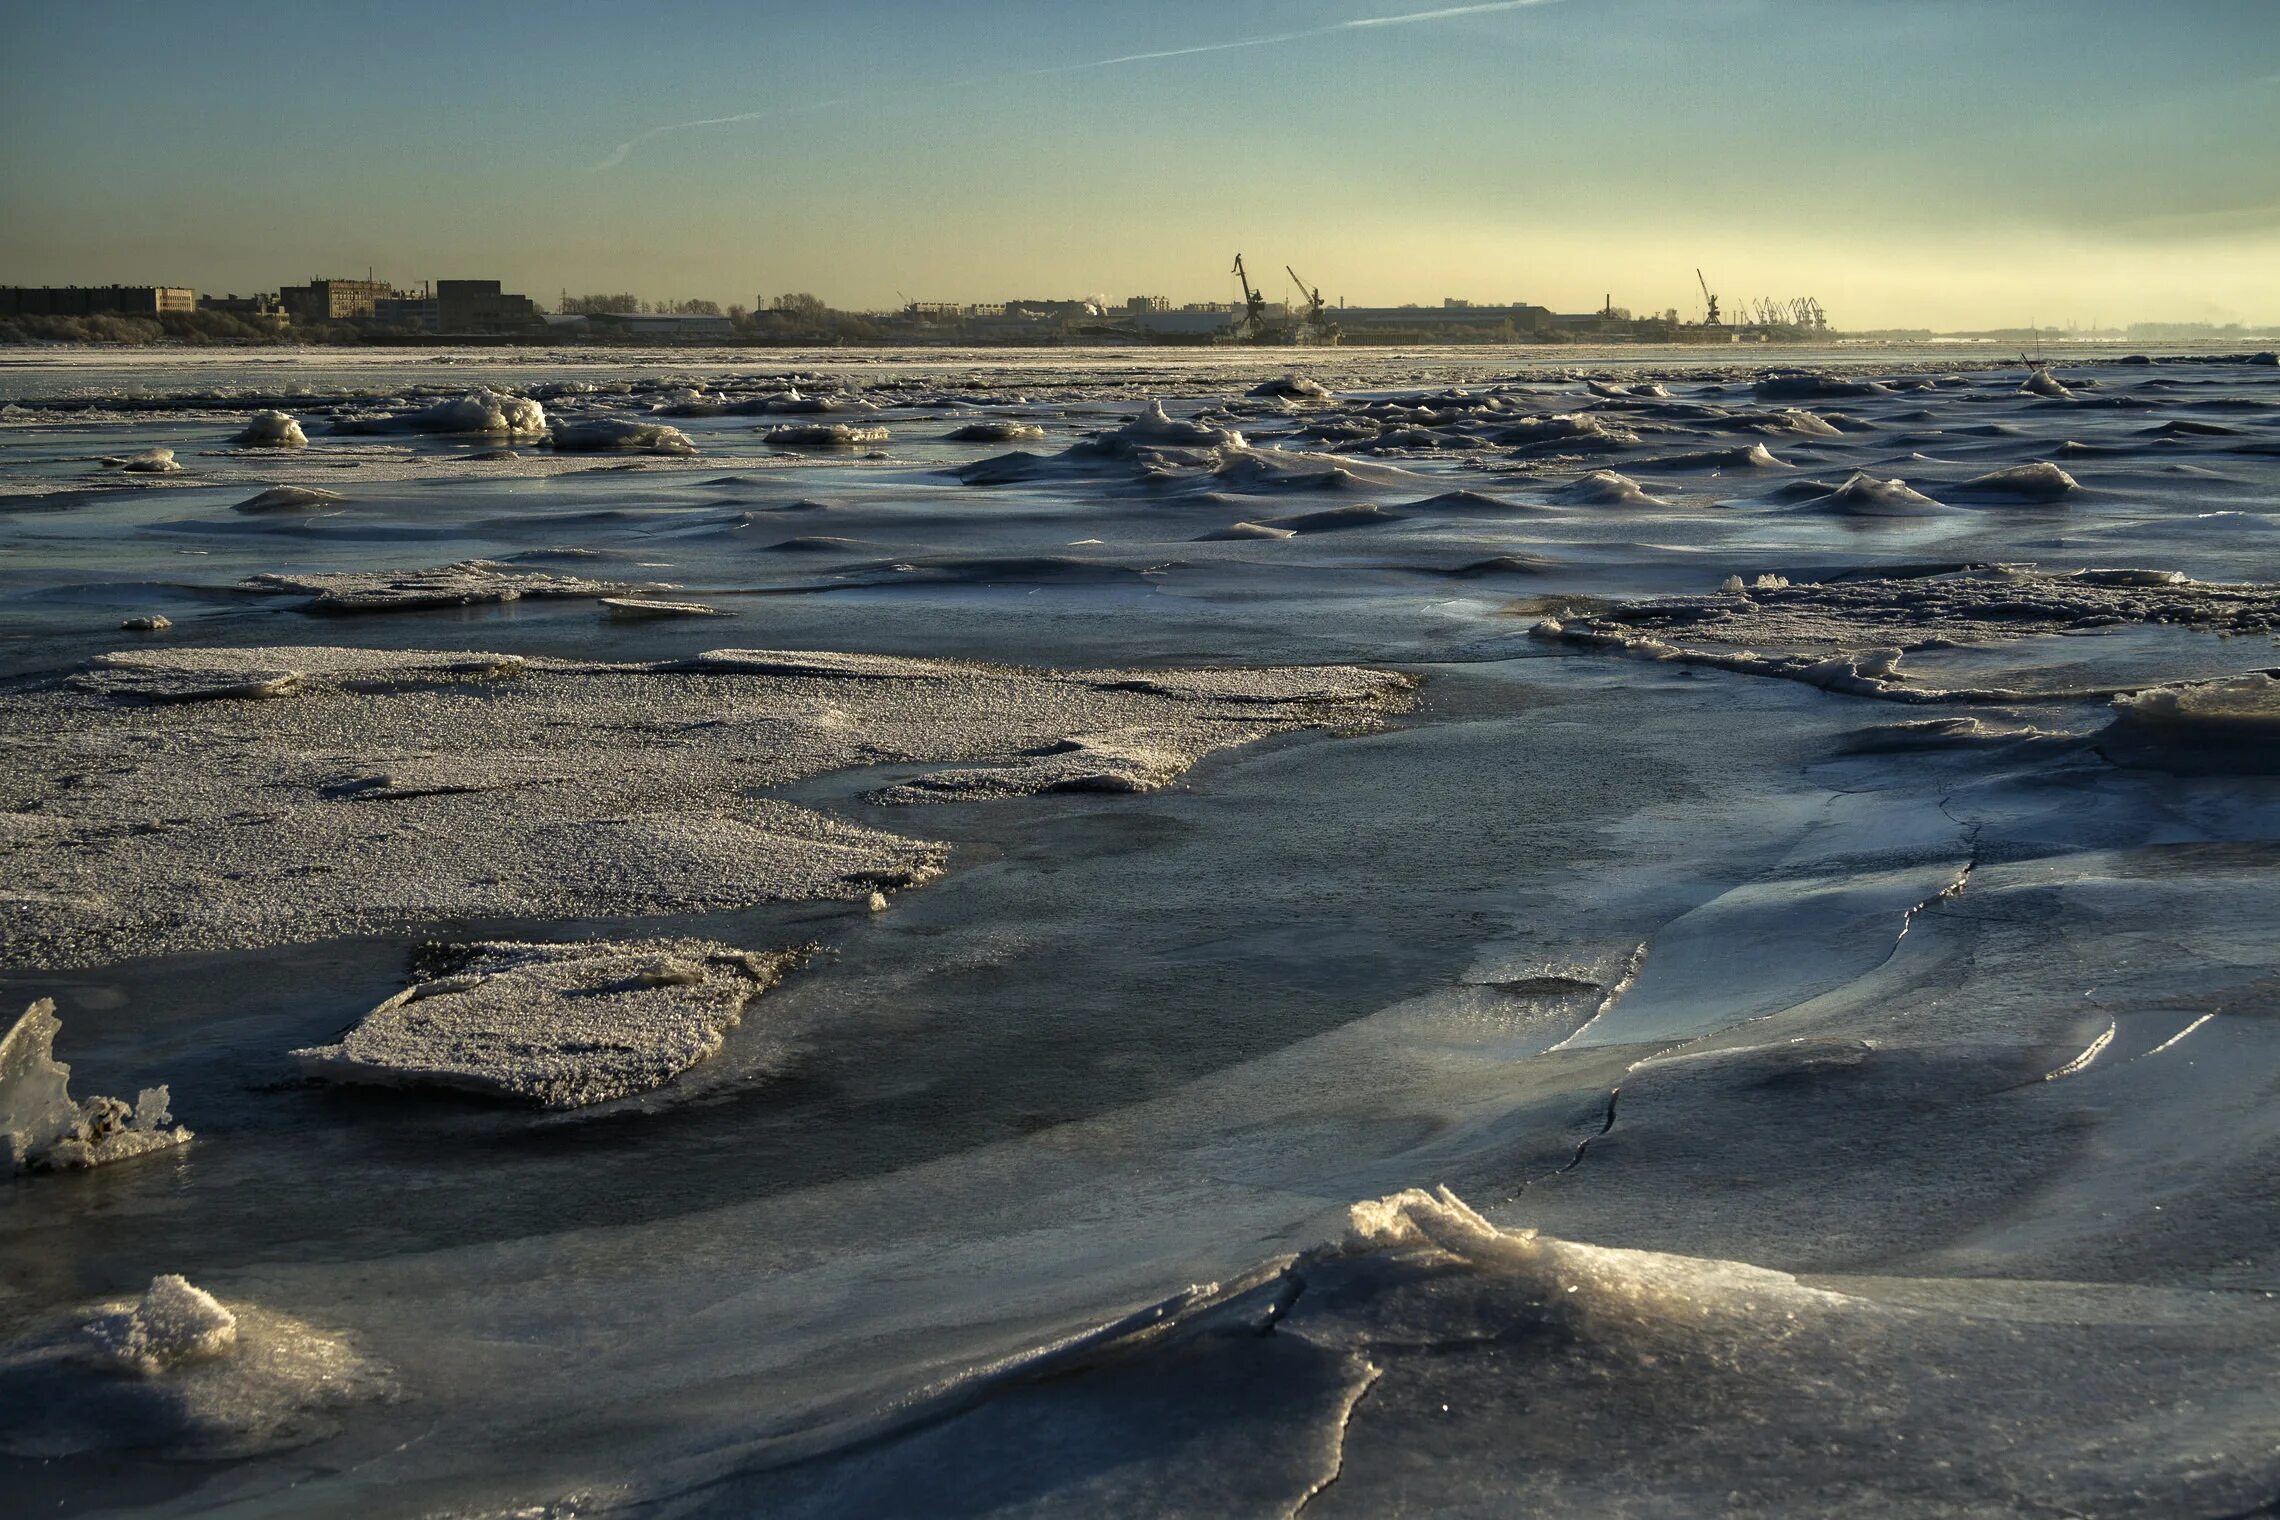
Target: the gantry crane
(1708, 300)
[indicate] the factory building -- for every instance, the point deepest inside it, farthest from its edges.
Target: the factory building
(334, 300)
(477, 306)
(415, 313)
(96, 300)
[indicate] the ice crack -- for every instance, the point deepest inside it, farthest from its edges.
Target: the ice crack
(1370, 1375)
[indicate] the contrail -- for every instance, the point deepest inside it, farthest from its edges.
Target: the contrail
(619, 154)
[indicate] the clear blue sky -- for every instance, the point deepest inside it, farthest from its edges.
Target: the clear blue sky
(1926, 161)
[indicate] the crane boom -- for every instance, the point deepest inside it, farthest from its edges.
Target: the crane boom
(1253, 325)
(1313, 295)
(1250, 296)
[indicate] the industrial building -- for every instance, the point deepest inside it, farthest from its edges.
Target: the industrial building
(334, 300)
(96, 300)
(452, 306)
(479, 306)
(417, 313)
(1196, 320)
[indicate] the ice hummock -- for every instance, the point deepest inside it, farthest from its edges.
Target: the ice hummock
(1608, 488)
(171, 1323)
(289, 499)
(481, 411)
(996, 432)
(823, 435)
(1863, 495)
(1155, 425)
(1575, 1280)
(43, 1129)
(2209, 728)
(620, 435)
(1292, 387)
(179, 1374)
(272, 430)
(2043, 383)
(2039, 481)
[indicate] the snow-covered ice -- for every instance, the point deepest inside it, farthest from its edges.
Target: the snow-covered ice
(561, 1026)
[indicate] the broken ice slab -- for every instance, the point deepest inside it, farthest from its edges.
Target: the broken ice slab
(43, 1130)
(561, 1026)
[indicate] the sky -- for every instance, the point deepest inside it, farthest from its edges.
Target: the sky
(1912, 163)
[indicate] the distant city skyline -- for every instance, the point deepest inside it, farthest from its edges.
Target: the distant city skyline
(1940, 163)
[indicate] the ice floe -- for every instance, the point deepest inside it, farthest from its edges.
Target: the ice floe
(469, 583)
(1850, 634)
(1112, 762)
(566, 788)
(560, 1026)
(635, 609)
(203, 675)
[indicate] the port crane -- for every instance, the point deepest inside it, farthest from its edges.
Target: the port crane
(1314, 324)
(1313, 297)
(1709, 300)
(1253, 326)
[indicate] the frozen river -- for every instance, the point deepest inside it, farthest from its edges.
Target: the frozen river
(1786, 839)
